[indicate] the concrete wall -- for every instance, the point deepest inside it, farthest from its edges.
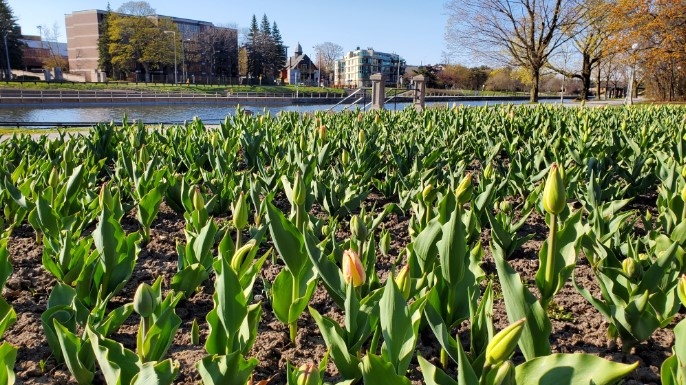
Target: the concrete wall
(82, 41)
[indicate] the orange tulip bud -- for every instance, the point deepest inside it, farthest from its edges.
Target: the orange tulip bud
(353, 271)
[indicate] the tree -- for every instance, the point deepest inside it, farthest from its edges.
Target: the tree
(279, 49)
(10, 34)
(104, 57)
(522, 33)
(327, 53)
(137, 8)
(589, 38)
(216, 48)
(136, 40)
(253, 48)
(657, 30)
(51, 35)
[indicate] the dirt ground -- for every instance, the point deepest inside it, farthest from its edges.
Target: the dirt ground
(578, 328)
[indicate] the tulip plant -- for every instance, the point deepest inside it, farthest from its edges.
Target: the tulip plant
(294, 285)
(8, 352)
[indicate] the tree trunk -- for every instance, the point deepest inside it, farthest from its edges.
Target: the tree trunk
(146, 68)
(535, 78)
(585, 76)
(597, 84)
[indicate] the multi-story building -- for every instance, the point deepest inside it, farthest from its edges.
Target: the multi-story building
(84, 29)
(357, 66)
(39, 53)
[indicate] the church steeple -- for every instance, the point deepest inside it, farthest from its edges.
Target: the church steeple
(298, 50)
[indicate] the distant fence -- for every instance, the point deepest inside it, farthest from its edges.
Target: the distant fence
(21, 96)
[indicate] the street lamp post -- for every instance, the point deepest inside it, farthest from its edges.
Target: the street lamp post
(7, 56)
(630, 86)
(184, 74)
(176, 80)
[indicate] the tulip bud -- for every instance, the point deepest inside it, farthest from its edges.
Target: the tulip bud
(195, 332)
(385, 242)
(503, 344)
(681, 289)
(429, 193)
(505, 206)
(648, 216)
(54, 178)
(358, 228)
(630, 268)
(359, 117)
(345, 157)
(377, 119)
(683, 172)
(404, 282)
(238, 255)
(683, 194)
(308, 374)
(503, 374)
(464, 190)
(554, 198)
(299, 193)
(488, 171)
(353, 271)
(144, 300)
(362, 136)
(322, 133)
(198, 201)
(642, 302)
(240, 212)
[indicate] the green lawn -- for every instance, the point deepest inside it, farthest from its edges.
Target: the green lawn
(165, 87)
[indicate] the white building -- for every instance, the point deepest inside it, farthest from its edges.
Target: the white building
(357, 66)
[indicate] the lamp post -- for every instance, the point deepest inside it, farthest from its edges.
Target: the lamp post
(176, 80)
(184, 75)
(630, 86)
(7, 56)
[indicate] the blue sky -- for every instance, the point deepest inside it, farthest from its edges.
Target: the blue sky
(410, 28)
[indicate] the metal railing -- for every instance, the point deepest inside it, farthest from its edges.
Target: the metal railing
(346, 98)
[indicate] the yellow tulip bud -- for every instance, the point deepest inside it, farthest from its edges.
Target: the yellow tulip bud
(144, 300)
(353, 271)
(505, 206)
(683, 194)
(503, 344)
(240, 212)
(630, 268)
(345, 157)
(429, 193)
(681, 289)
(404, 282)
(488, 171)
(239, 255)
(361, 136)
(198, 200)
(554, 195)
(308, 374)
(464, 190)
(54, 178)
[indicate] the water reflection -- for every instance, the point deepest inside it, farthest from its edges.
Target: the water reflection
(167, 113)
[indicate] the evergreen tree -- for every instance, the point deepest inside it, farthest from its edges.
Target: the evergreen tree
(10, 33)
(267, 48)
(253, 48)
(104, 57)
(279, 48)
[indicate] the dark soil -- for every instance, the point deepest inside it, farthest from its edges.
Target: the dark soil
(577, 327)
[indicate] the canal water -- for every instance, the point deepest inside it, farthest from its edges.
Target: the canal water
(173, 113)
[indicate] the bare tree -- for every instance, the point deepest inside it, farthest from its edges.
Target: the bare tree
(51, 36)
(522, 33)
(326, 55)
(137, 8)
